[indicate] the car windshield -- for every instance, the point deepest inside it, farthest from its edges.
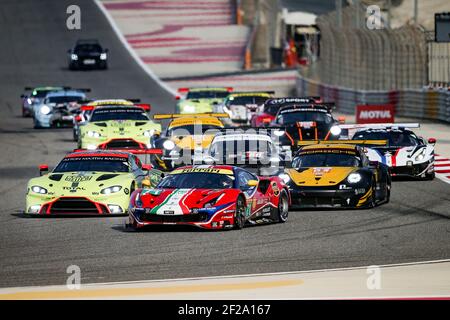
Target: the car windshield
(240, 101)
(189, 130)
(207, 94)
(395, 138)
(94, 163)
(64, 99)
(119, 114)
(242, 149)
(197, 180)
(316, 159)
(300, 116)
(88, 48)
(41, 93)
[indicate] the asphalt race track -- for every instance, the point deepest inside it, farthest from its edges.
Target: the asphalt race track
(414, 226)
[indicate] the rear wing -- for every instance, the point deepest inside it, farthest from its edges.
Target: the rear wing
(133, 151)
(175, 116)
(303, 143)
(349, 130)
(185, 89)
(380, 125)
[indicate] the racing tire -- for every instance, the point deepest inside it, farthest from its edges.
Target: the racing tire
(283, 207)
(373, 198)
(429, 176)
(239, 214)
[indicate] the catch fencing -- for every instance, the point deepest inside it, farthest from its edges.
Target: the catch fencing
(429, 104)
(355, 56)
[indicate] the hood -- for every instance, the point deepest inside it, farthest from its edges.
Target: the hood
(191, 142)
(319, 176)
(79, 183)
(181, 201)
(121, 128)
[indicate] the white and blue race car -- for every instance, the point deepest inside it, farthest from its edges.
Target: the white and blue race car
(406, 154)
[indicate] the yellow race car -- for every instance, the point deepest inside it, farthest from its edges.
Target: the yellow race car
(186, 137)
(337, 175)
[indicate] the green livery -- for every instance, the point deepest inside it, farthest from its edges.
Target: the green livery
(201, 100)
(102, 185)
(117, 123)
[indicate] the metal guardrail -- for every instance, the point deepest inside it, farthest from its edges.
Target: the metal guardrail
(414, 103)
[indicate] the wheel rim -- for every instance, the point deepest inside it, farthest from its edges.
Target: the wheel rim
(240, 210)
(283, 208)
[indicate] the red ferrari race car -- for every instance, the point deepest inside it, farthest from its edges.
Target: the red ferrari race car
(210, 197)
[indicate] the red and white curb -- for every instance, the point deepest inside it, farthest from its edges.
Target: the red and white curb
(442, 168)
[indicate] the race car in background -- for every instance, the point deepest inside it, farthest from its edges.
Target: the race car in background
(337, 175)
(88, 183)
(186, 137)
(87, 53)
(241, 106)
(119, 127)
(200, 100)
(407, 154)
(86, 109)
(253, 149)
(265, 115)
(37, 93)
(306, 122)
(210, 197)
(58, 108)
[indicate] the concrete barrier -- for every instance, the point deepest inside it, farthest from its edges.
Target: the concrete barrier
(414, 103)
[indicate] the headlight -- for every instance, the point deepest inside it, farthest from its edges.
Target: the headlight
(45, 109)
(168, 145)
(38, 189)
(73, 56)
(335, 130)
(29, 101)
(149, 133)
(278, 133)
(94, 134)
(421, 155)
(285, 177)
(103, 56)
(354, 178)
(137, 200)
(188, 108)
(110, 190)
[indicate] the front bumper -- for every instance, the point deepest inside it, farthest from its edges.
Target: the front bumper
(223, 219)
(413, 171)
(330, 198)
(76, 206)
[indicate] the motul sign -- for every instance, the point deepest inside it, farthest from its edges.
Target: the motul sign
(375, 113)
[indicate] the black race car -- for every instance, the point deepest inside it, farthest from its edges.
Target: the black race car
(306, 122)
(88, 54)
(336, 175)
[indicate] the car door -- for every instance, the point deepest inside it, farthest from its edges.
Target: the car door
(256, 200)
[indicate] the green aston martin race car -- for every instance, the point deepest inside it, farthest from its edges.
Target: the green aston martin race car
(119, 127)
(201, 100)
(89, 183)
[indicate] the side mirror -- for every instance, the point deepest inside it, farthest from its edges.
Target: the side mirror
(69, 51)
(147, 167)
(177, 97)
(106, 50)
(252, 183)
(432, 140)
(43, 169)
(341, 120)
(146, 183)
(23, 96)
(77, 118)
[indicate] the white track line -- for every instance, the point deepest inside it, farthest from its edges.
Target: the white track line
(131, 51)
